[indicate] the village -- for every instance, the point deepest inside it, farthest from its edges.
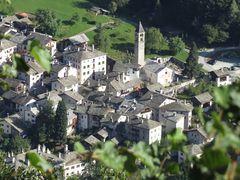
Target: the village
(106, 99)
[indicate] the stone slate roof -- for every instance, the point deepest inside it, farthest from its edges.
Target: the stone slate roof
(203, 98)
(51, 95)
(34, 68)
(68, 81)
(143, 123)
(140, 28)
(18, 38)
(5, 44)
(42, 38)
(154, 67)
(194, 149)
(72, 158)
(220, 73)
(83, 55)
(172, 116)
(153, 100)
(20, 99)
(79, 38)
(120, 86)
(199, 130)
(92, 140)
(177, 106)
(121, 67)
(102, 133)
(16, 122)
(74, 95)
(57, 67)
(4, 29)
(13, 83)
(97, 110)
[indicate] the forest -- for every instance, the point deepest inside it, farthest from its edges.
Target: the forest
(217, 22)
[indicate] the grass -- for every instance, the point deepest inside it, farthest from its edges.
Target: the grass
(182, 56)
(64, 10)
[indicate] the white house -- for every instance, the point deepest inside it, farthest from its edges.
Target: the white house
(34, 76)
(140, 129)
(89, 63)
(64, 84)
(62, 70)
(197, 136)
(171, 121)
(157, 73)
(44, 39)
(72, 122)
(7, 49)
(179, 108)
(13, 125)
(221, 77)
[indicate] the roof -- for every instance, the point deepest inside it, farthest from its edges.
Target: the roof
(68, 81)
(12, 82)
(120, 86)
(34, 68)
(42, 38)
(22, 14)
(177, 106)
(121, 67)
(92, 140)
(98, 110)
(20, 99)
(203, 98)
(6, 44)
(74, 95)
(4, 29)
(194, 149)
(172, 116)
(154, 67)
(140, 28)
(16, 122)
(18, 38)
(57, 67)
(72, 158)
(143, 123)
(51, 95)
(102, 133)
(83, 55)
(79, 38)
(200, 130)
(220, 73)
(154, 100)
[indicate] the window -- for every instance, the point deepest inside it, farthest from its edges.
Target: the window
(103, 62)
(88, 72)
(166, 72)
(99, 63)
(102, 69)
(72, 167)
(84, 73)
(88, 66)
(78, 166)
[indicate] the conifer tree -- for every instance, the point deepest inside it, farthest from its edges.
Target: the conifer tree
(60, 124)
(192, 68)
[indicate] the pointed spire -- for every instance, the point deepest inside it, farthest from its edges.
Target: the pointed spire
(140, 28)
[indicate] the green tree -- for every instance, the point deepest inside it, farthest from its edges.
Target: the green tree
(60, 125)
(47, 21)
(18, 144)
(6, 8)
(75, 18)
(102, 41)
(154, 40)
(113, 7)
(192, 67)
(176, 45)
(45, 124)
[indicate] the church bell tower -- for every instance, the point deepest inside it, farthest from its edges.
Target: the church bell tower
(139, 48)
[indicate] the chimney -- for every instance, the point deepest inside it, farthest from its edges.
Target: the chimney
(13, 160)
(66, 148)
(43, 148)
(12, 154)
(59, 155)
(48, 151)
(127, 118)
(99, 82)
(93, 48)
(111, 118)
(8, 155)
(8, 115)
(151, 96)
(34, 29)
(88, 82)
(78, 49)
(27, 161)
(141, 120)
(39, 148)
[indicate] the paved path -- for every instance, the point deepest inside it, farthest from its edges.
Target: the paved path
(95, 27)
(203, 58)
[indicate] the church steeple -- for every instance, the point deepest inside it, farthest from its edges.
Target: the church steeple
(139, 48)
(140, 28)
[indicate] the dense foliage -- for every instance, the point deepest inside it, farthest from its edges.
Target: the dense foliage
(47, 21)
(6, 8)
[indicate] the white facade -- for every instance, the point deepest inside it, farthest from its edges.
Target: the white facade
(65, 72)
(7, 49)
(131, 74)
(164, 77)
(93, 67)
(61, 86)
(75, 169)
(31, 79)
(223, 81)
